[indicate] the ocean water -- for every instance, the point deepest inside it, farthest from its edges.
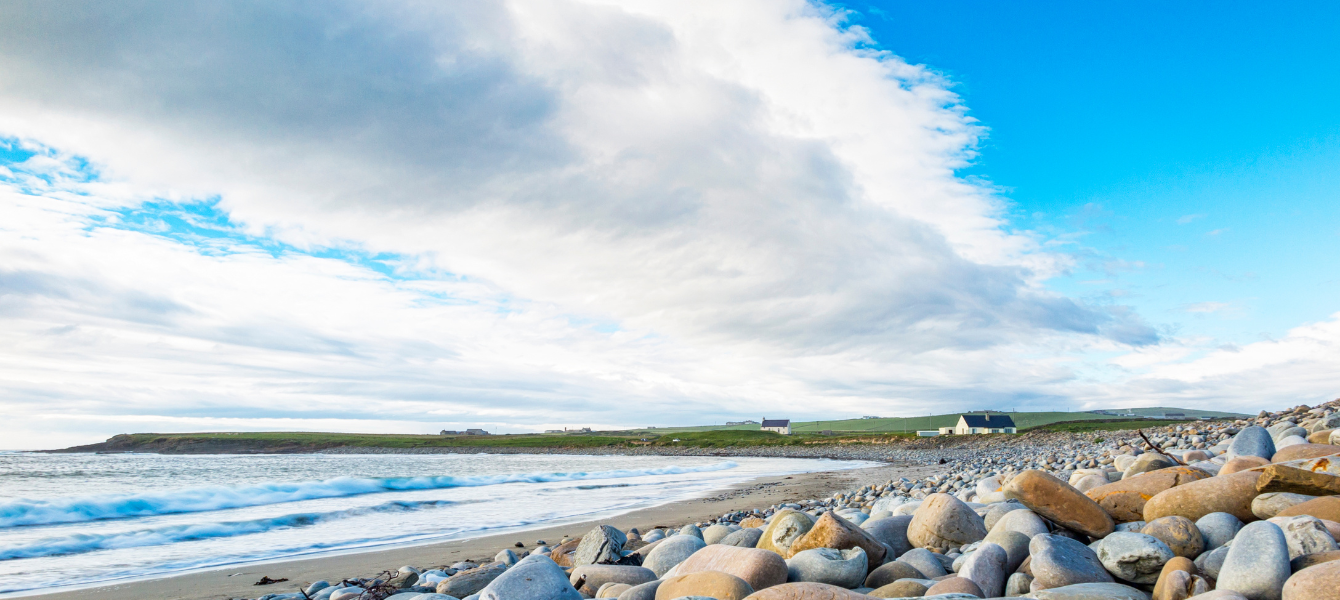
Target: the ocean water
(82, 519)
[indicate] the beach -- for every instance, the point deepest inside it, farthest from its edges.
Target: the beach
(237, 581)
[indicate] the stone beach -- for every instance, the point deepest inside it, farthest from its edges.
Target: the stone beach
(1219, 510)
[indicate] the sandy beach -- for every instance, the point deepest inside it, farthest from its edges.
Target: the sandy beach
(237, 581)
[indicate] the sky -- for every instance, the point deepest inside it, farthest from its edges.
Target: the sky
(525, 215)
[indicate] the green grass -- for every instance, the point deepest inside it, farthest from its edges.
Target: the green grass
(1106, 425)
(1022, 420)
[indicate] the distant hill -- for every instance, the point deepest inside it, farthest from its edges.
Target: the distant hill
(1022, 420)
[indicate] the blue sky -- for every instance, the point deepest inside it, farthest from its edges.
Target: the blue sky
(529, 215)
(1187, 152)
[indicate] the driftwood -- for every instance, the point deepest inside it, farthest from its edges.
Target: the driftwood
(267, 581)
(1156, 448)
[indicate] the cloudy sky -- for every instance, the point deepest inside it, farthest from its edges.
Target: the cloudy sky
(520, 215)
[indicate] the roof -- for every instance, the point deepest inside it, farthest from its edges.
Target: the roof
(995, 422)
(776, 423)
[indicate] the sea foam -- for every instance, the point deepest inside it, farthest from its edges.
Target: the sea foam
(84, 542)
(79, 509)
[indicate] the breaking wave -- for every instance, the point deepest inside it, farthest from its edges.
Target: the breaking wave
(23, 512)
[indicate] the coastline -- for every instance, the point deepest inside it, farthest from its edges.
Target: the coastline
(236, 581)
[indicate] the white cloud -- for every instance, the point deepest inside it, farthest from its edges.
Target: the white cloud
(754, 209)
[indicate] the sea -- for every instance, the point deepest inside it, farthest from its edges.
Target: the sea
(78, 520)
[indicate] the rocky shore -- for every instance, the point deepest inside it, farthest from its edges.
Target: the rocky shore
(1244, 510)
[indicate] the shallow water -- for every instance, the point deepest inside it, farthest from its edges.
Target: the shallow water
(77, 519)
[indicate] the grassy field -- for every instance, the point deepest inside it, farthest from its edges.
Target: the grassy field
(708, 436)
(1105, 424)
(1022, 420)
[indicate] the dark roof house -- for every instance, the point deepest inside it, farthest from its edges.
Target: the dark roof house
(989, 421)
(776, 423)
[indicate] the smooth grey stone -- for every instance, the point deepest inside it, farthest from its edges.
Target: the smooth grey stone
(715, 533)
(646, 591)
(958, 562)
(925, 561)
(1209, 466)
(887, 504)
(946, 560)
(1015, 545)
(1218, 528)
(744, 538)
(997, 510)
(986, 568)
(1134, 557)
(1018, 585)
(602, 545)
(671, 552)
(891, 531)
(1306, 535)
(1252, 441)
(1257, 564)
(471, 581)
(1091, 591)
(434, 596)
(843, 568)
(692, 530)
(598, 575)
(1210, 563)
(1135, 526)
(1025, 521)
(1293, 432)
(1059, 561)
(654, 535)
(317, 586)
(506, 557)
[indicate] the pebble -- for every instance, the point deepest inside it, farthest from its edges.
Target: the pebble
(1023, 521)
(1091, 591)
(598, 575)
(945, 522)
(1134, 557)
(1320, 582)
(534, 577)
(759, 568)
(1057, 501)
(744, 538)
(1125, 500)
(671, 552)
(843, 568)
(786, 527)
(832, 531)
(1257, 564)
(955, 585)
(1305, 535)
(890, 531)
(1270, 504)
(705, 584)
(1232, 494)
(925, 561)
(1218, 528)
(1252, 441)
(986, 567)
(1179, 533)
(1057, 561)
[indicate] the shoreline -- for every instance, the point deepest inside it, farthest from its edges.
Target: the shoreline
(235, 581)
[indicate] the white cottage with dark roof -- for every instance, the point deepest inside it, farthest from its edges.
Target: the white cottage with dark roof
(986, 423)
(782, 426)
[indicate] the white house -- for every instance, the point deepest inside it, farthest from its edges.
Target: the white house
(782, 426)
(987, 423)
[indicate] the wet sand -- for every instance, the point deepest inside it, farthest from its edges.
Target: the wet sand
(237, 581)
